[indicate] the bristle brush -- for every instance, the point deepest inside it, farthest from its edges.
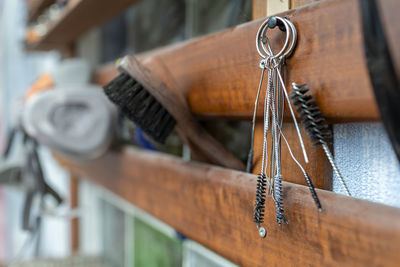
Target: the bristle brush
(314, 122)
(140, 106)
(146, 100)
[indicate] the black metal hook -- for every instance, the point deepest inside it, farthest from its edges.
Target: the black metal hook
(273, 22)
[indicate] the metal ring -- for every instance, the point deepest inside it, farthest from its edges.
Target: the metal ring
(262, 32)
(293, 36)
(268, 51)
(289, 52)
(258, 37)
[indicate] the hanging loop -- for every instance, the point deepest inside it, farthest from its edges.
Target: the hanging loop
(262, 39)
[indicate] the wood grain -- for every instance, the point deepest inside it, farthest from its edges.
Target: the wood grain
(214, 206)
(78, 17)
(318, 168)
(219, 73)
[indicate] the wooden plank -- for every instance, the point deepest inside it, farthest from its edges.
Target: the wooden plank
(275, 7)
(74, 202)
(318, 168)
(259, 9)
(219, 73)
(78, 17)
(260, 6)
(36, 8)
(105, 73)
(214, 206)
(299, 3)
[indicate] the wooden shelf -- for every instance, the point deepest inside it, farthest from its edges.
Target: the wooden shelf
(214, 207)
(78, 17)
(37, 7)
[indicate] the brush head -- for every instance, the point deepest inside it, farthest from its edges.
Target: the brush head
(138, 105)
(259, 205)
(312, 117)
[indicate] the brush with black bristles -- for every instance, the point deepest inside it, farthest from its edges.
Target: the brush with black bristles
(259, 204)
(140, 106)
(314, 123)
(157, 109)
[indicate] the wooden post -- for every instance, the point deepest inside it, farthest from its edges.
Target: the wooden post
(74, 203)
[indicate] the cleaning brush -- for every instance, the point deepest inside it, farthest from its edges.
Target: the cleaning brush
(140, 106)
(314, 123)
(157, 110)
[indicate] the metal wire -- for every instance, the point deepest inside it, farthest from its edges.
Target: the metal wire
(251, 152)
(334, 167)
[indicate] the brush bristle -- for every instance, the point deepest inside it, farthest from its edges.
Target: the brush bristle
(313, 120)
(138, 105)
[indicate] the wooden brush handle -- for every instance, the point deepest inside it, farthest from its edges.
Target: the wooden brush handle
(187, 126)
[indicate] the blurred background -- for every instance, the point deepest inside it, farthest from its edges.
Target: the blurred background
(111, 232)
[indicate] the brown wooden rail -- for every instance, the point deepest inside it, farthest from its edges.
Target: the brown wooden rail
(78, 17)
(319, 169)
(214, 206)
(219, 73)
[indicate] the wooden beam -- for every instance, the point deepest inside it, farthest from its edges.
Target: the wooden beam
(259, 9)
(318, 169)
(260, 6)
(74, 203)
(214, 207)
(77, 18)
(105, 73)
(274, 7)
(219, 73)
(299, 3)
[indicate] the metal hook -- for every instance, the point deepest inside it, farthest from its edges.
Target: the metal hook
(261, 33)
